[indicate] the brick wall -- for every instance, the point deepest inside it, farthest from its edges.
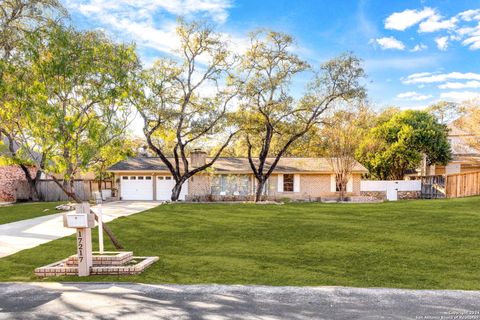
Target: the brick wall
(312, 187)
(199, 186)
(9, 175)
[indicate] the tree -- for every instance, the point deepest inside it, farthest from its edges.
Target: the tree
(74, 101)
(185, 102)
(470, 122)
(271, 119)
(342, 134)
(446, 112)
(399, 143)
(117, 150)
(18, 20)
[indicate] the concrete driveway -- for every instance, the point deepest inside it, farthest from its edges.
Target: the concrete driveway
(30, 233)
(141, 301)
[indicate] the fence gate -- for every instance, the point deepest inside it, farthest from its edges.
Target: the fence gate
(433, 187)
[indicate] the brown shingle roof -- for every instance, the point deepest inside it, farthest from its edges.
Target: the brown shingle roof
(460, 142)
(238, 165)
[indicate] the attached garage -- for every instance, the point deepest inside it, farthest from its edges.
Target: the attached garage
(165, 184)
(140, 187)
(136, 187)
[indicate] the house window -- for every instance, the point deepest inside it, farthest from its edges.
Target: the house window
(160, 178)
(288, 183)
(133, 178)
(124, 177)
(231, 185)
(336, 187)
(148, 178)
(140, 178)
(168, 178)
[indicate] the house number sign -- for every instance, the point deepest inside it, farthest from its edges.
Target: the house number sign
(83, 221)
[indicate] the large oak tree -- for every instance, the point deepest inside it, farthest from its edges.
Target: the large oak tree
(71, 101)
(18, 20)
(271, 118)
(184, 101)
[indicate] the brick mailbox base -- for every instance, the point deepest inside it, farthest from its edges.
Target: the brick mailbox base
(108, 263)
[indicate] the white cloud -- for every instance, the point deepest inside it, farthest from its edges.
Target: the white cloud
(434, 23)
(407, 18)
(460, 85)
(215, 9)
(442, 43)
(472, 42)
(389, 43)
(426, 77)
(470, 15)
(147, 22)
(463, 27)
(413, 96)
(419, 47)
(460, 96)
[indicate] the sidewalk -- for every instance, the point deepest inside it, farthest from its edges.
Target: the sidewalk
(20, 235)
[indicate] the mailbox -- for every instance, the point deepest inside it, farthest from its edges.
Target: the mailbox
(78, 220)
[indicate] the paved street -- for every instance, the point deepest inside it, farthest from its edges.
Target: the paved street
(30, 233)
(140, 301)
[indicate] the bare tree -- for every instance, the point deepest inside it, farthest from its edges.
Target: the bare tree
(342, 134)
(271, 118)
(185, 102)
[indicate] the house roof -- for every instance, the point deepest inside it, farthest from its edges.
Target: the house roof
(237, 165)
(460, 143)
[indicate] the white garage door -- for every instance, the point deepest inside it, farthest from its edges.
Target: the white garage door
(165, 185)
(137, 188)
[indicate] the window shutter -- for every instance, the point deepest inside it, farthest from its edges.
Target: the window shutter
(350, 185)
(280, 183)
(333, 184)
(296, 183)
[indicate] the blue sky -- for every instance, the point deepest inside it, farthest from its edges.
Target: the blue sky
(415, 52)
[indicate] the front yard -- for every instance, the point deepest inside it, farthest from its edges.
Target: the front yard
(409, 244)
(23, 211)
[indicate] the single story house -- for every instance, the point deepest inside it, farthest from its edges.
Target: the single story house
(147, 178)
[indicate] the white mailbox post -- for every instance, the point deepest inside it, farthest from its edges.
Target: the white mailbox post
(99, 200)
(83, 221)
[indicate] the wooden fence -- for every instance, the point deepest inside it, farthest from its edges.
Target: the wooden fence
(463, 185)
(49, 191)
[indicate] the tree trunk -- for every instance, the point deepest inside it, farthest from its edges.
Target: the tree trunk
(259, 191)
(342, 193)
(32, 182)
(176, 191)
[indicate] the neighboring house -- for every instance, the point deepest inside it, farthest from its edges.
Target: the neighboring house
(231, 178)
(12, 178)
(465, 157)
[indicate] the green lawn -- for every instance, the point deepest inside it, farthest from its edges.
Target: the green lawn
(431, 244)
(22, 211)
